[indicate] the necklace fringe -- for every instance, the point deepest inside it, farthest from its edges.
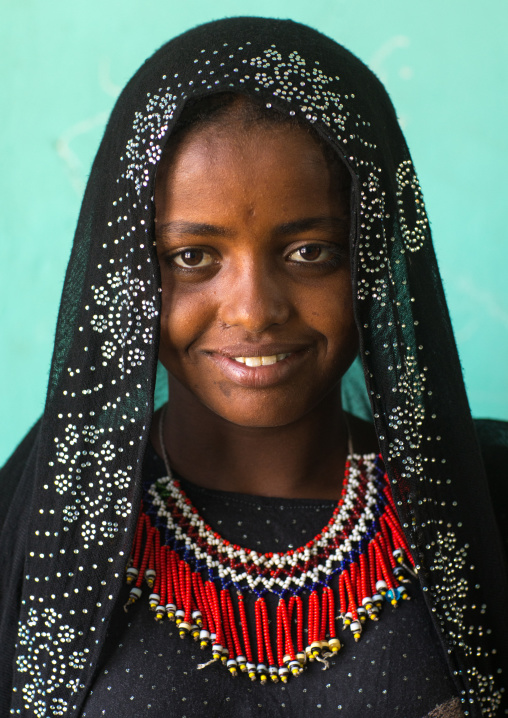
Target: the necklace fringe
(359, 561)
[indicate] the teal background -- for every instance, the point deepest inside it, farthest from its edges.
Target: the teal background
(445, 64)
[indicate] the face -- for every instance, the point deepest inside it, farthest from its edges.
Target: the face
(252, 232)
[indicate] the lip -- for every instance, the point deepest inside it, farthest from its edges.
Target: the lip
(258, 350)
(258, 377)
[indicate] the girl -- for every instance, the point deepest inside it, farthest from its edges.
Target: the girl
(253, 220)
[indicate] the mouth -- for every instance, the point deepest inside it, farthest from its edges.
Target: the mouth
(259, 367)
(253, 361)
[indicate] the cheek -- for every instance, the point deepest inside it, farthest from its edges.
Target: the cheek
(183, 319)
(331, 314)
(329, 308)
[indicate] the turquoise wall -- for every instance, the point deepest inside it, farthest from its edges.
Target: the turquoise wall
(445, 65)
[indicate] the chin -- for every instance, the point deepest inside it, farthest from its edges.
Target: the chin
(255, 421)
(264, 412)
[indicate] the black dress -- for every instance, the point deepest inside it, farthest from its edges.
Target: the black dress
(397, 669)
(73, 488)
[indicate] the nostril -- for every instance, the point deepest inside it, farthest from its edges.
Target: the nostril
(224, 325)
(254, 312)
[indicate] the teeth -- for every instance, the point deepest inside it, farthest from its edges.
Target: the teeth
(261, 361)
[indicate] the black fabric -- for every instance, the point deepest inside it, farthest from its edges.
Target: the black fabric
(398, 668)
(13, 470)
(16, 488)
(493, 438)
(68, 545)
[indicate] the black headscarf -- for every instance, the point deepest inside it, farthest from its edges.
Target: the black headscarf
(68, 534)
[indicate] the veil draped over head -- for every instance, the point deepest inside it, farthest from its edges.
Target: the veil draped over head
(76, 479)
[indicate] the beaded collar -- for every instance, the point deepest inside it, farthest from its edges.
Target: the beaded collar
(359, 561)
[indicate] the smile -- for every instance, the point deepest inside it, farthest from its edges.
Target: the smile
(259, 371)
(260, 360)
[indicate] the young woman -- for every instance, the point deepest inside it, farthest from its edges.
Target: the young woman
(254, 221)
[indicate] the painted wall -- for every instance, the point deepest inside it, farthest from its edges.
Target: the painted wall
(445, 65)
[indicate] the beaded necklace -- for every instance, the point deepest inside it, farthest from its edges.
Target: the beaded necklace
(359, 560)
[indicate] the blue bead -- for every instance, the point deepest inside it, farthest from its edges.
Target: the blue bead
(393, 593)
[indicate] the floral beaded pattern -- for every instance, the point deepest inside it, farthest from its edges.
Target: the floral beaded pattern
(100, 392)
(47, 642)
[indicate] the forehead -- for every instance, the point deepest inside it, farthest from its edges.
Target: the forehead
(232, 145)
(278, 167)
(230, 114)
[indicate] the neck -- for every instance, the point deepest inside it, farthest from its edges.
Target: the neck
(304, 459)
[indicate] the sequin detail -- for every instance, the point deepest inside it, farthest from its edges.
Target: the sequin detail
(100, 385)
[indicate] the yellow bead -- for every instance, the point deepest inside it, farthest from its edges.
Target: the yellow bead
(315, 648)
(150, 577)
(183, 628)
(197, 618)
(132, 574)
(335, 645)
(295, 668)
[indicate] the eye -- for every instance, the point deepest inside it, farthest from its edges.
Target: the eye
(192, 258)
(312, 253)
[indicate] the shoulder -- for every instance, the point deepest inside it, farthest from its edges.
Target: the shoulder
(11, 472)
(493, 440)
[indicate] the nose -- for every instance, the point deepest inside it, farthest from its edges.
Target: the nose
(254, 298)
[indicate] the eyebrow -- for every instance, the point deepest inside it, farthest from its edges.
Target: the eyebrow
(203, 229)
(200, 229)
(304, 225)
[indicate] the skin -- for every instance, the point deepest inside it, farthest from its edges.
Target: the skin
(252, 231)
